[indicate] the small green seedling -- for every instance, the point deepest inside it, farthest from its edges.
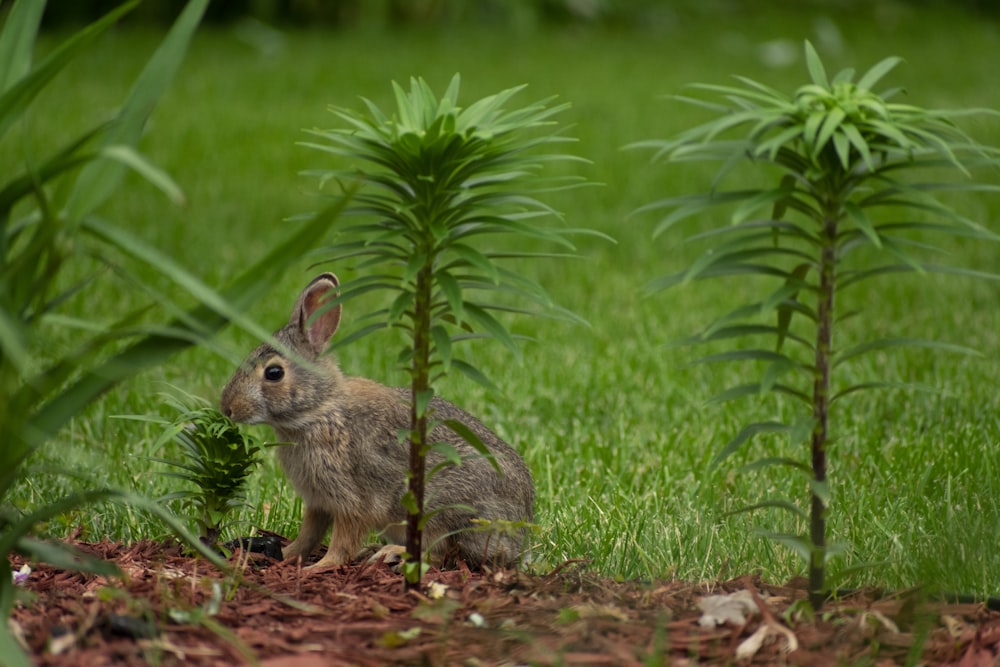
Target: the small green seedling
(214, 455)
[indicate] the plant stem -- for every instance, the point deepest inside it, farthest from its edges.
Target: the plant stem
(420, 379)
(821, 407)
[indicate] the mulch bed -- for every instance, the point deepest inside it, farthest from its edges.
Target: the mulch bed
(171, 609)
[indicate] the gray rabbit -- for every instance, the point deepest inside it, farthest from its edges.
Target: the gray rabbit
(347, 459)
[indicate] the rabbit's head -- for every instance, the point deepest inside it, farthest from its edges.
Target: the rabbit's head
(287, 390)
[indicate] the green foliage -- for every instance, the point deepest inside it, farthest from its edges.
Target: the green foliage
(610, 424)
(55, 250)
(855, 196)
(215, 457)
(440, 181)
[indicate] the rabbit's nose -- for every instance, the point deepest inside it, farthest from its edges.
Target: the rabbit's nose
(226, 405)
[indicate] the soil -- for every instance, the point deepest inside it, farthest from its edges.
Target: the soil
(169, 609)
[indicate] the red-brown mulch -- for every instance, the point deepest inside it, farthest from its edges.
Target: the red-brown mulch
(161, 613)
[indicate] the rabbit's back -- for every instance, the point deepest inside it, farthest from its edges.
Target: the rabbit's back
(353, 463)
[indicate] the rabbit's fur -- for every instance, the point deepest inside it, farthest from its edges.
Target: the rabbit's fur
(348, 461)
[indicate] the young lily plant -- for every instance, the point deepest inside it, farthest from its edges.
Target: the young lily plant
(440, 183)
(214, 456)
(856, 179)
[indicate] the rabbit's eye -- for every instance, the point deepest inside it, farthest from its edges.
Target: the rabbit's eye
(274, 373)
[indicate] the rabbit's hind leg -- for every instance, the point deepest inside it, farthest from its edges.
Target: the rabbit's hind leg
(315, 523)
(391, 554)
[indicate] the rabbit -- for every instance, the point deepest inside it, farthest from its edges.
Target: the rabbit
(348, 461)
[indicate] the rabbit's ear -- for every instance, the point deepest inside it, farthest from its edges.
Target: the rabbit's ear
(314, 317)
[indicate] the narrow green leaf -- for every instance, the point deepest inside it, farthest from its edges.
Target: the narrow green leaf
(486, 323)
(18, 95)
(891, 343)
(63, 556)
(474, 374)
(842, 145)
(802, 430)
(797, 543)
(470, 436)
(139, 249)
(727, 332)
(736, 254)
(160, 179)
(821, 490)
(867, 386)
(476, 259)
(860, 144)
(449, 455)
(17, 40)
(442, 345)
(771, 504)
(771, 146)
(753, 389)
(452, 292)
(781, 205)
(776, 370)
(99, 179)
(747, 355)
(689, 205)
(848, 278)
(796, 280)
(783, 298)
(409, 503)
(13, 342)
(860, 218)
(810, 132)
(747, 434)
(831, 123)
(423, 401)
(845, 75)
(777, 461)
(402, 303)
(416, 262)
(9, 647)
(14, 533)
(875, 74)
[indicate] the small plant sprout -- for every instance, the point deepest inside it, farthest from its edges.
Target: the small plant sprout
(214, 455)
(440, 184)
(855, 197)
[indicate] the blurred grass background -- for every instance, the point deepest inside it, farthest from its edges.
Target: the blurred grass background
(613, 423)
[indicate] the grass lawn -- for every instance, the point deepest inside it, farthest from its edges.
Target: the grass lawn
(614, 424)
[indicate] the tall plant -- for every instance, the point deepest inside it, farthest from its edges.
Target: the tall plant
(440, 181)
(50, 234)
(851, 171)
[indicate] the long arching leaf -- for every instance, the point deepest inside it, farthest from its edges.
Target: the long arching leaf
(783, 505)
(747, 434)
(16, 97)
(100, 178)
(890, 343)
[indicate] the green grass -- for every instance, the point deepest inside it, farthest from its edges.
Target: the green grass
(613, 423)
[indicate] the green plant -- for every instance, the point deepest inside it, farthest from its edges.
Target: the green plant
(215, 456)
(440, 180)
(55, 249)
(855, 197)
